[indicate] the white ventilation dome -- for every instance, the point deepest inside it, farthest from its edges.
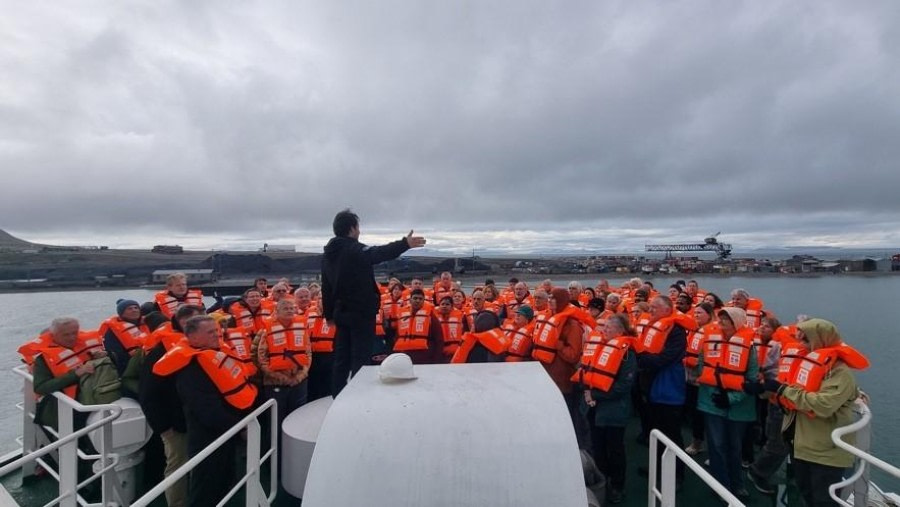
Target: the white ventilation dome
(495, 434)
(129, 432)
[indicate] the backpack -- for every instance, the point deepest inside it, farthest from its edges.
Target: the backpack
(101, 387)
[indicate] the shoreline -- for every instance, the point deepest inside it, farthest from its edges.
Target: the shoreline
(499, 277)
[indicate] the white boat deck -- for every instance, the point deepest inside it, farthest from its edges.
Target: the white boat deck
(476, 434)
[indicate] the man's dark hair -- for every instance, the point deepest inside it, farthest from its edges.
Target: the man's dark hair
(513, 280)
(194, 323)
(446, 298)
(417, 292)
(188, 311)
(489, 281)
(343, 222)
(597, 303)
(260, 279)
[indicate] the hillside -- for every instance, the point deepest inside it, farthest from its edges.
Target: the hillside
(10, 242)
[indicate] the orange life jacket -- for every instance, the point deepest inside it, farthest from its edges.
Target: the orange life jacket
(248, 319)
(640, 322)
(493, 306)
(591, 344)
(544, 349)
(61, 361)
(413, 330)
(237, 339)
(583, 300)
(520, 342)
(379, 328)
(225, 371)
(30, 349)
(494, 340)
(754, 312)
(288, 345)
(605, 363)
(791, 351)
(725, 361)
(695, 342)
(165, 335)
(513, 304)
(452, 327)
(808, 372)
(762, 349)
(168, 303)
(440, 293)
(321, 334)
(131, 336)
(653, 336)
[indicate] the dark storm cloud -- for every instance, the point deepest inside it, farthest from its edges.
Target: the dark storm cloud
(775, 122)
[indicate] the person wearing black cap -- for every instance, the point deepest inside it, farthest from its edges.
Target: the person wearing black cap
(123, 334)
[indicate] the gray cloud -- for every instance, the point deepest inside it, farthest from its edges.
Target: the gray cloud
(775, 122)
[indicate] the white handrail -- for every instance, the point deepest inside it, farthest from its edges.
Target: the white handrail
(67, 444)
(666, 497)
(863, 458)
(253, 441)
(864, 420)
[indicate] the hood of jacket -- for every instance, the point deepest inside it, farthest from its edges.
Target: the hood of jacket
(820, 333)
(336, 245)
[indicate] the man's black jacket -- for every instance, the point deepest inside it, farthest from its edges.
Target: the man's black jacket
(349, 292)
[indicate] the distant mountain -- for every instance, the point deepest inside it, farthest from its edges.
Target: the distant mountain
(10, 242)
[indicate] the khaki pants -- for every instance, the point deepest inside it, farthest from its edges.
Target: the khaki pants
(175, 445)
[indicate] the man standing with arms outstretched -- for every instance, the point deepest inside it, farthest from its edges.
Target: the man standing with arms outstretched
(350, 295)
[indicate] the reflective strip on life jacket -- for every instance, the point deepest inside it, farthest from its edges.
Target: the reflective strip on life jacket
(288, 345)
(605, 364)
(725, 362)
(130, 335)
(520, 343)
(653, 337)
(321, 333)
(413, 330)
(452, 328)
(168, 304)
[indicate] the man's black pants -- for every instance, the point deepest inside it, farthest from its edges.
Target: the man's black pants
(353, 345)
(667, 418)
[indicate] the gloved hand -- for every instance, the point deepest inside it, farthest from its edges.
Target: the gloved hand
(754, 388)
(773, 385)
(720, 399)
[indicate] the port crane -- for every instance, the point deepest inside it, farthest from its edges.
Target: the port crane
(710, 244)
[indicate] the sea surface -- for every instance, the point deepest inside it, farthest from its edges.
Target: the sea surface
(865, 309)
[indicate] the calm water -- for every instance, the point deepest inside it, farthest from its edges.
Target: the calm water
(862, 307)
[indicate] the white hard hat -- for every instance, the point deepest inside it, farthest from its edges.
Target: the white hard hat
(396, 367)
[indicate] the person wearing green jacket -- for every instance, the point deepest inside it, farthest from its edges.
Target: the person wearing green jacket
(817, 462)
(728, 412)
(612, 409)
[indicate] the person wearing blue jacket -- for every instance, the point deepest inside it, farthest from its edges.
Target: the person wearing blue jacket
(663, 375)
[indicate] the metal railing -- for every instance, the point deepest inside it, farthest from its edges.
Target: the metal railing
(860, 476)
(255, 496)
(67, 446)
(666, 494)
(66, 452)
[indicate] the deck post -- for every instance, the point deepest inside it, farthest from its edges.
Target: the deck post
(252, 488)
(68, 457)
(29, 428)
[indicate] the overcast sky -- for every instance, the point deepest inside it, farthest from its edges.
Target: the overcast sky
(513, 125)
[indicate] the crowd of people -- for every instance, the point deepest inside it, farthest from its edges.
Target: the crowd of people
(753, 390)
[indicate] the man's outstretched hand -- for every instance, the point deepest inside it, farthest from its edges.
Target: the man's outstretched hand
(414, 241)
